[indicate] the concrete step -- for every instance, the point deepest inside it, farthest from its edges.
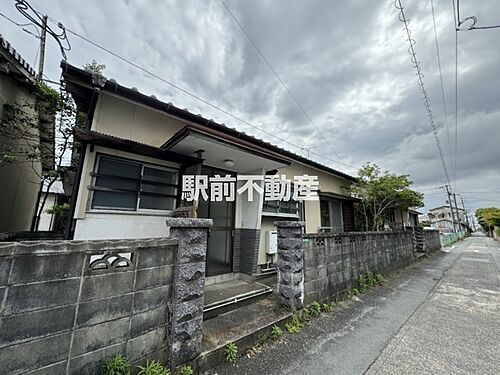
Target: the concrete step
(231, 295)
(245, 326)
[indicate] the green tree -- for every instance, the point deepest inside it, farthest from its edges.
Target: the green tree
(380, 192)
(488, 218)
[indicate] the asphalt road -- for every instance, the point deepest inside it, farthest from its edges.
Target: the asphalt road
(439, 316)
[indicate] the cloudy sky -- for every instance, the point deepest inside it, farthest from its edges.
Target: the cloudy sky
(345, 62)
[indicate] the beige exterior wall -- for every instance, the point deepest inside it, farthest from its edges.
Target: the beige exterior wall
(327, 183)
(121, 118)
(20, 180)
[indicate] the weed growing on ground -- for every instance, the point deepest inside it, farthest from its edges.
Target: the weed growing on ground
(117, 365)
(153, 368)
(276, 332)
(380, 279)
(327, 307)
(230, 352)
(315, 309)
(295, 326)
(352, 292)
(186, 370)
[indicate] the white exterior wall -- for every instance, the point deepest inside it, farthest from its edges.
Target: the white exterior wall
(102, 225)
(46, 218)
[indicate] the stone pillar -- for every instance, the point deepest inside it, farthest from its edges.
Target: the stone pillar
(290, 263)
(186, 317)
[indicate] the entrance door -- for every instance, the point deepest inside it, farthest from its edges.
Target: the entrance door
(220, 239)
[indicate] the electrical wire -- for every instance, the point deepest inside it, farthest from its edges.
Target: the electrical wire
(22, 25)
(273, 70)
(194, 96)
(473, 19)
(441, 80)
(25, 8)
(420, 76)
(456, 107)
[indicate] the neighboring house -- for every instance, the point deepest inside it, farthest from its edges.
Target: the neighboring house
(55, 196)
(135, 151)
(400, 219)
(441, 218)
(20, 177)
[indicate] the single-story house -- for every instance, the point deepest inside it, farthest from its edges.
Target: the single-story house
(135, 151)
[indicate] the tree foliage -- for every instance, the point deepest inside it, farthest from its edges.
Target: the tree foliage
(488, 218)
(94, 67)
(380, 193)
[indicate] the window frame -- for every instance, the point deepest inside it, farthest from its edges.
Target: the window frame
(93, 188)
(330, 213)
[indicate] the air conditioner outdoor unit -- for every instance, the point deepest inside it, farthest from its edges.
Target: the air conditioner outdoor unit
(272, 242)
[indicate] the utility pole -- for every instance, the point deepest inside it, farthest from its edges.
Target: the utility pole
(465, 211)
(451, 207)
(458, 214)
(43, 42)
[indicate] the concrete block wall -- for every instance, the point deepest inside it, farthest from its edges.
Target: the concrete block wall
(332, 263)
(65, 306)
(432, 240)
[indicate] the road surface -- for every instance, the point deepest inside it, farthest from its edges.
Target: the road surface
(440, 316)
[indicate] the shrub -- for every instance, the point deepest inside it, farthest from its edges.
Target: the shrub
(153, 368)
(230, 352)
(186, 370)
(117, 365)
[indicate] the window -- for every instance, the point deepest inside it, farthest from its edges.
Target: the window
(290, 207)
(126, 185)
(331, 214)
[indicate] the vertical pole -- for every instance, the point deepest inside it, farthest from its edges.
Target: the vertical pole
(43, 40)
(465, 211)
(458, 214)
(451, 208)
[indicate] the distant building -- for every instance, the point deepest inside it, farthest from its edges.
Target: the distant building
(441, 218)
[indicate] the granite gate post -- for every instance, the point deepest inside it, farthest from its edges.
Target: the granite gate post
(189, 283)
(290, 263)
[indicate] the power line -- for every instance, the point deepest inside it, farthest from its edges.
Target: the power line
(456, 105)
(441, 80)
(185, 91)
(21, 25)
(420, 81)
(40, 20)
(273, 70)
(473, 19)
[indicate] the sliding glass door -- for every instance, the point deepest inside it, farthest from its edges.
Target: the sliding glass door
(220, 240)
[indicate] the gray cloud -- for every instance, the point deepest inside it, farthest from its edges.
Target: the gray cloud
(346, 62)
